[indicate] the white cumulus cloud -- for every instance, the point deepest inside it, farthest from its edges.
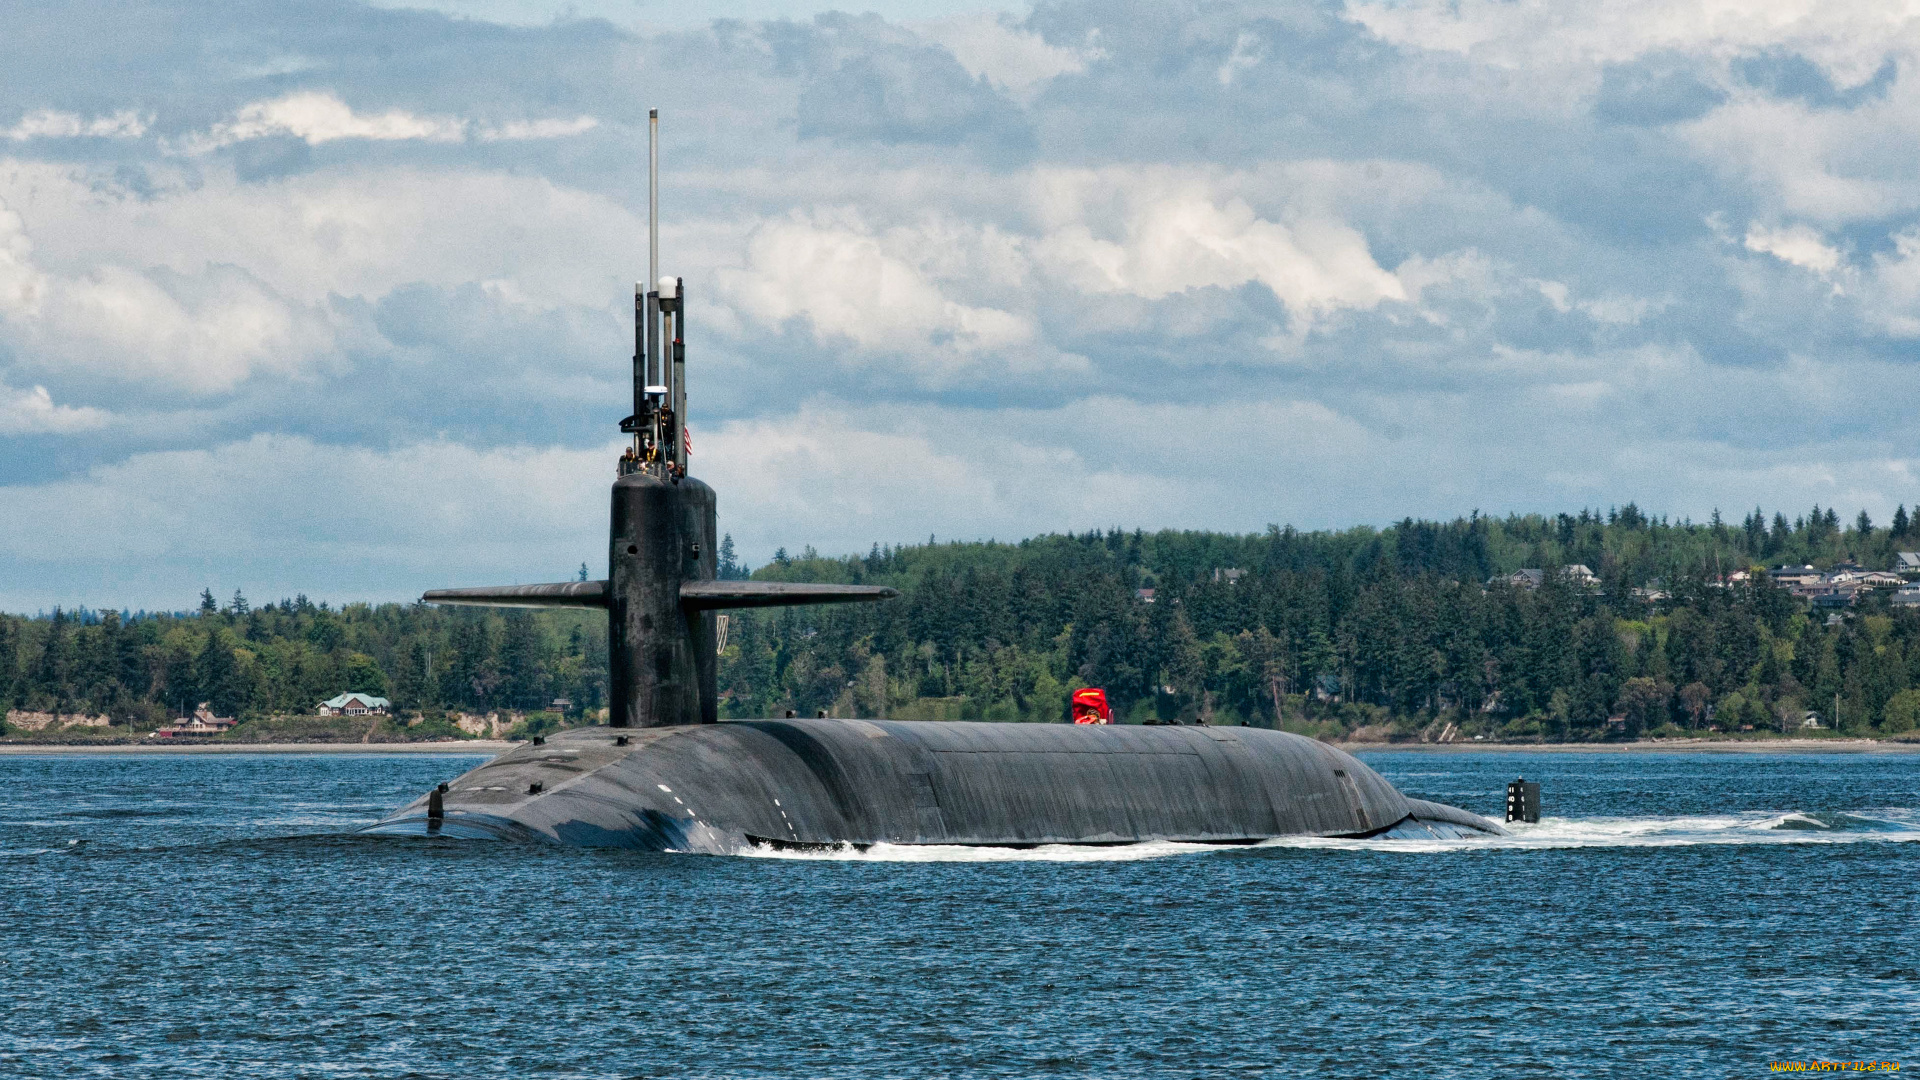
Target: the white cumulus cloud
(1152, 233)
(205, 333)
(850, 284)
(1796, 244)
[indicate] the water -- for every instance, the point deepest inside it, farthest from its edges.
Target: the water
(1673, 914)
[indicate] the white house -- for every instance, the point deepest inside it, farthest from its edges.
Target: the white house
(355, 705)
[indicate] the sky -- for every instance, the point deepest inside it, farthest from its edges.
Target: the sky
(332, 298)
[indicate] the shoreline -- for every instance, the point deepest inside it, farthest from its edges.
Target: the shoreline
(451, 746)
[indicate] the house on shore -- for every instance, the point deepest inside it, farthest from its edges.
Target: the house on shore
(202, 722)
(355, 705)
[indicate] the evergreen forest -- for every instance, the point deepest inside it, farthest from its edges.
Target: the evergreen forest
(1375, 633)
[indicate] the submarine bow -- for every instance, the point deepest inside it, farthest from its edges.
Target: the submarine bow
(666, 774)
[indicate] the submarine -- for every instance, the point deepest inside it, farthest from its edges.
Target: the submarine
(667, 774)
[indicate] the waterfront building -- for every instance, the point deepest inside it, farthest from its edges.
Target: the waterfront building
(355, 705)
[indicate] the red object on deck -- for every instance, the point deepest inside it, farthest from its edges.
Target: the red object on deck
(1090, 706)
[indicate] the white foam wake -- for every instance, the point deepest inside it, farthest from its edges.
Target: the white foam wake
(1757, 827)
(949, 853)
(1760, 827)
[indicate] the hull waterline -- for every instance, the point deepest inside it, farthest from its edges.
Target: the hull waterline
(724, 788)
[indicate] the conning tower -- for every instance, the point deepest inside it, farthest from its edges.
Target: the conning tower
(660, 594)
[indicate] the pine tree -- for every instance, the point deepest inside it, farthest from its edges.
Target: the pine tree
(181, 691)
(469, 675)
(1185, 668)
(1901, 523)
(208, 606)
(52, 673)
(130, 667)
(218, 677)
(9, 663)
(521, 680)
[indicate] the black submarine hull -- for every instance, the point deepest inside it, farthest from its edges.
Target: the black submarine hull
(728, 787)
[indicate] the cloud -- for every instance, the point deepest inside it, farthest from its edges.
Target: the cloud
(908, 94)
(1151, 233)
(32, 412)
(274, 513)
(1655, 90)
(538, 129)
(317, 117)
(53, 124)
(1797, 245)
(201, 287)
(1248, 51)
(21, 283)
(1846, 39)
(993, 46)
(203, 332)
(843, 477)
(849, 285)
(1194, 265)
(956, 300)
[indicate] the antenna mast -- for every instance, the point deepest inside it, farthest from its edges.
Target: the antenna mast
(653, 198)
(659, 351)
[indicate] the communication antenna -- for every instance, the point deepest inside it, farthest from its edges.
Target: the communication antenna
(659, 350)
(653, 196)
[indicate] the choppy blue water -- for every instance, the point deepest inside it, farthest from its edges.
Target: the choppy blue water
(1674, 914)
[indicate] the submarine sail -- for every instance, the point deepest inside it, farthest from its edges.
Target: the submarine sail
(667, 774)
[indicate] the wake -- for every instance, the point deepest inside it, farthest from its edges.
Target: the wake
(1758, 827)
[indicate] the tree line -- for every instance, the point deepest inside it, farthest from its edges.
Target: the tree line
(1395, 630)
(1401, 628)
(286, 658)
